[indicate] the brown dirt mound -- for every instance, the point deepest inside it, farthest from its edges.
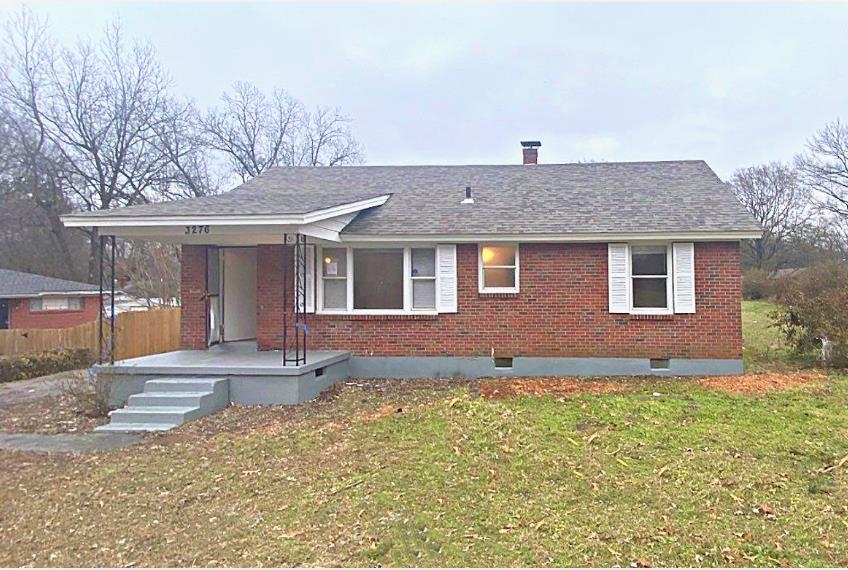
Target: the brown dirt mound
(758, 383)
(504, 387)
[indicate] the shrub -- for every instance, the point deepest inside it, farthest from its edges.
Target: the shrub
(92, 398)
(24, 366)
(812, 313)
(757, 284)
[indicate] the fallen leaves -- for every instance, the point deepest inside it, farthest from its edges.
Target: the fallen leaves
(758, 383)
(494, 388)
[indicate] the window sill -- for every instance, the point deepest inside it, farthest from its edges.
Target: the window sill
(651, 316)
(498, 294)
(377, 317)
(57, 312)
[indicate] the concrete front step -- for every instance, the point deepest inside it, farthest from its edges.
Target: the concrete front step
(187, 384)
(155, 414)
(193, 399)
(129, 428)
(168, 402)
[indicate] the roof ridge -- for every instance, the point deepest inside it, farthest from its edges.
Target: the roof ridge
(540, 165)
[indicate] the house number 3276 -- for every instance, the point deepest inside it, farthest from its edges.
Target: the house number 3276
(196, 230)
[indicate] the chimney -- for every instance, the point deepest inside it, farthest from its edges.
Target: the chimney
(531, 151)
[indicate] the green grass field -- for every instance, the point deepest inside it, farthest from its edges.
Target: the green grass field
(665, 473)
(763, 347)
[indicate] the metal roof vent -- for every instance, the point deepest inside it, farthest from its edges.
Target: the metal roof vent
(469, 198)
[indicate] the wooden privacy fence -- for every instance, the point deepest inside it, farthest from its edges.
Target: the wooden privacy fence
(137, 333)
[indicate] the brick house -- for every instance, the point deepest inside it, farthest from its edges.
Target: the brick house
(595, 268)
(30, 301)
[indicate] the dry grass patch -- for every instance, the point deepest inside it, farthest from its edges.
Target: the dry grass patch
(666, 473)
(50, 415)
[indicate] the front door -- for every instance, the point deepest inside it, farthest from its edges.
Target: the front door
(239, 302)
(4, 314)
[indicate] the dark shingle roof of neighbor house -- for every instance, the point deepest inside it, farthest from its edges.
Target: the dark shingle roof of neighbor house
(671, 196)
(18, 284)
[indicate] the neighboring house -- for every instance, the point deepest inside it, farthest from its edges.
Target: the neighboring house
(29, 301)
(595, 268)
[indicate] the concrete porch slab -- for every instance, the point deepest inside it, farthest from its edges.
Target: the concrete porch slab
(253, 377)
(231, 359)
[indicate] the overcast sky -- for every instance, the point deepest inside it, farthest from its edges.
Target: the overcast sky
(463, 84)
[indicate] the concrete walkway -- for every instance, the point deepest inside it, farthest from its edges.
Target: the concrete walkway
(67, 443)
(22, 391)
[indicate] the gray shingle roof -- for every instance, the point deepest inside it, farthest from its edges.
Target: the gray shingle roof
(673, 196)
(18, 284)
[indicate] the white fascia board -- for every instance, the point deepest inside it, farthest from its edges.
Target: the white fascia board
(556, 238)
(82, 220)
(54, 294)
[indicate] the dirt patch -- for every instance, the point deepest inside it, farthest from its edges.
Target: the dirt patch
(759, 383)
(49, 415)
(562, 386)
(504, 387)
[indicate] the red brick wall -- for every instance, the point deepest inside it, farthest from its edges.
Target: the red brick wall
(20, 317)
(562, 310)
(193, 297)
(269, 295)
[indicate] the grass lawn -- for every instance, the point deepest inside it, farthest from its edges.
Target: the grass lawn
(664, 473)
(763, 346)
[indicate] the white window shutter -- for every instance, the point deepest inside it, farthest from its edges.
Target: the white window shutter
(446, 295)
(310, 278)
(683, 263)
(619, 275)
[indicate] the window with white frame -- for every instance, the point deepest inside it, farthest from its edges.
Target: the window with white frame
(498, 268)
(650, 268)
(378, 279)
(334, 278)
(423, 276)
(42, 304)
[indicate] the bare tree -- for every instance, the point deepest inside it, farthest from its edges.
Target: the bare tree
(95, 127)
(152, 271)
(103, 109)
(773, 194)
(180, 139)
(255, 132)
(824, 167)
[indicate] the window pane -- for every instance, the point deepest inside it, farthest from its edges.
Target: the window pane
(498, 277)
(54, 303)
(424, 294)
(75, 303)
(498, 255)
(378, 279)
(334, 262)
(423, 262)
(335, 294)
(650, 293)
(36, 305)
(649, 261)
